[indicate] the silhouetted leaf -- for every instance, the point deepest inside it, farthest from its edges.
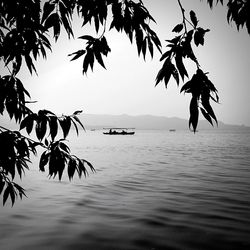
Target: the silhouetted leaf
(28, 122)
(41, 128)
(71, 168)
(47, 10)
(12, 194)
(166, 54)
(6, 194)
(175, 74)
(77, 112)
(1, 186)
(53, 127)
(30, 64)
(20, 190)
(77, 54)
(78, 121)
(178, 28)
(206, 105)
(89, 164)
(206, 116)
(199, 36)
(180, 66)
(150, 47)
(87, 37)
(193, 18)
(98, 56)
(194, 113)
(43, 160)
(65, 123)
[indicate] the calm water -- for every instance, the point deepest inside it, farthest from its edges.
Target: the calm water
(154, 190)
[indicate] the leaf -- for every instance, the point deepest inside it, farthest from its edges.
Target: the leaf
(178, 28)
(180, 66)
(175, 75)
(72, 120)
(194, 113)
(193, 18)
(6, 194)
(165, 72)
(47, 9)
(71, 168)
(166, 54)
(20, 190)
(78, 121)
(53, 21)
(144, 47)
(30, 64)
(12, 194)
(206, 105)
(89, 164)
(65, 123)
(28, 122)
(150, 47)
(53, 127)
(206, 115)
(98, 56)
(1, 186)
(199, 36)
(41, 128)
(77, 54)
(139, 39)
(87, 37)
(43, 160)
(77, 112)
(88, 60)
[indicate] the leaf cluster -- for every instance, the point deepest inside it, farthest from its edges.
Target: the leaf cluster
(202, 90)
(96, 47)
(133, 19)
(46, 120)
(57, 13)
(22, 36)
(58, 156)
(238, 11)
(12, 97)
(16, 149)
(15, 156)
(95, 10)
(179, 49)
(127, 16)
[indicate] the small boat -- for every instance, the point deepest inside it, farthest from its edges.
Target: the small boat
(119, 131)
(172, 130)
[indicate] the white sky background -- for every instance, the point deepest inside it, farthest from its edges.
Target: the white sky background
(127, 86)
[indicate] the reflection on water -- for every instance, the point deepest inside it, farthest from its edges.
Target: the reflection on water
(154, 190)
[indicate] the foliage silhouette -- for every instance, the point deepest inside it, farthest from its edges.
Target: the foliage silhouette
(25, 28)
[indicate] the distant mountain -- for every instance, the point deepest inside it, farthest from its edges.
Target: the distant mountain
(93, 121)
(146, 122)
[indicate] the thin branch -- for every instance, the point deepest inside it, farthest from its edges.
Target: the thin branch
(183, 15)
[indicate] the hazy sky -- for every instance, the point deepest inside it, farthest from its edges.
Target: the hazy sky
(127, 86)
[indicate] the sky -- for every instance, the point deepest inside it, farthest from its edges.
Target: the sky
(128, 84)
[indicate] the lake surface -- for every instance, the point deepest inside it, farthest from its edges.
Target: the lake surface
(154, 190)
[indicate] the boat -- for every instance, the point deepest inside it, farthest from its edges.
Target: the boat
(119, 131)
(172, 130)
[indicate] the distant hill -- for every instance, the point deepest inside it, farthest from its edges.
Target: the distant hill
(93, 121)
(147, 122)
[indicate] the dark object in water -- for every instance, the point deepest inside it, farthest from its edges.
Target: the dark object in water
(113, 131)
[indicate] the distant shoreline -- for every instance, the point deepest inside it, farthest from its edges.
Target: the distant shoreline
(140, 122)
